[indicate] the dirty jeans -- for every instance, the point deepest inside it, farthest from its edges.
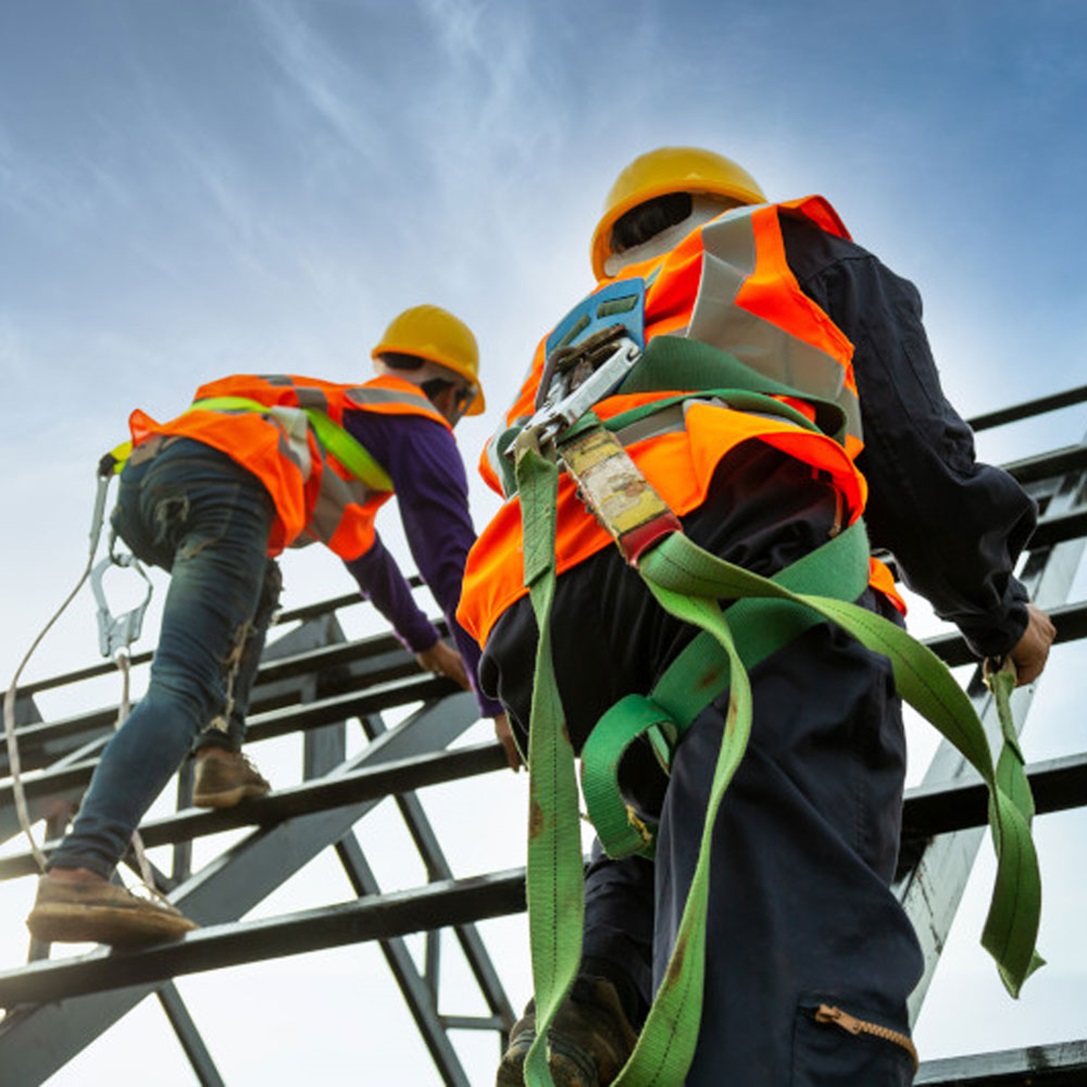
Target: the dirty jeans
(196, 513)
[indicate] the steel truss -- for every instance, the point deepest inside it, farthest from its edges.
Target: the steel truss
(314, 682)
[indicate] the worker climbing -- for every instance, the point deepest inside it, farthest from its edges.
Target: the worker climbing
(258, 463)
(747, 405)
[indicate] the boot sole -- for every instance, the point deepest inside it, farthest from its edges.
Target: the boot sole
(116, 926)
(228, 797)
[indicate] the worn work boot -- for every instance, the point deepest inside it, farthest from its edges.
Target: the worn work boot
(96, 911)
(223, 778)
(591, 1039)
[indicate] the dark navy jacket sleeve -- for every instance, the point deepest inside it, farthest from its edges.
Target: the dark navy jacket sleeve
(422, 459)
(955, 526)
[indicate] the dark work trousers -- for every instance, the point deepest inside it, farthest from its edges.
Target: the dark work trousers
(800, 910)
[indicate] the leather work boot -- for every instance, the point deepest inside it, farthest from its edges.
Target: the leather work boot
(224, 778)
(591, 1039)
(96, 911)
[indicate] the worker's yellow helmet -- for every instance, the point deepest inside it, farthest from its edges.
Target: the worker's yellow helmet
(430, 332)
(670, 170)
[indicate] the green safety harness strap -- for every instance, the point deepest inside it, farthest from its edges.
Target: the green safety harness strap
(555, 885)
(688, 582)
(349, 452)
(699, 674)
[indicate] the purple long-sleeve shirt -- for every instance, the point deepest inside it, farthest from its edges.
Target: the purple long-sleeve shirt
(422, 459)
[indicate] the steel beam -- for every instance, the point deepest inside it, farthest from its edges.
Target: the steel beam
(1063, 1064)
(421, 999)
(36, 1041)
(189, 1037)
(437, 867)
(1029, 408)
(113, 974)
(368, 783)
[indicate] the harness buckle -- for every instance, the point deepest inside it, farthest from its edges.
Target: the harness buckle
(579, 376)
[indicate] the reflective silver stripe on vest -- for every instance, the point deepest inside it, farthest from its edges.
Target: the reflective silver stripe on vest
(308, 396)
(372, 397)
(332, 498)
(334, 493)
(311, 398)
(729, 244)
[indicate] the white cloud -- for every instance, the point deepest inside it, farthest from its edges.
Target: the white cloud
(332, 83)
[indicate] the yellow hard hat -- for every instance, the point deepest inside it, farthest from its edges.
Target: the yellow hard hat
(430, 332)
(670, 170)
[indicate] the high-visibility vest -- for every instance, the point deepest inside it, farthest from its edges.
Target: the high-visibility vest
(316, 496)
(726, 284)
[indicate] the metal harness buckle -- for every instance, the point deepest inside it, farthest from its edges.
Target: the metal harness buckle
(578, 377)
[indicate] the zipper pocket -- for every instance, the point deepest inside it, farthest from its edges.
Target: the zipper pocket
(827, 1013)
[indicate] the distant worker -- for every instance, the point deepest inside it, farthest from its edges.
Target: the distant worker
(784, 387)
(256, 464)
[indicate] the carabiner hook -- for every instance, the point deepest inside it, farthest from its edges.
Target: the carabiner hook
(117, 633)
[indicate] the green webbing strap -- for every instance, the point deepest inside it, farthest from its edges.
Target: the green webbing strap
(555, 882)
(683, 572)
(688, 581)
(666, 1045)
(676, 362)
(700, 673)
(349, 452)
(1009, 767)
(113, 462)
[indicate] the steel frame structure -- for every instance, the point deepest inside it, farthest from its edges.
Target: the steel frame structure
(313, 681)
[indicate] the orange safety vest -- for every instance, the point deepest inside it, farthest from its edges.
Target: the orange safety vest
(727, 284)
(316, 497)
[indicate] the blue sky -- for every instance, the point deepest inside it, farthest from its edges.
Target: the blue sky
(188, 190)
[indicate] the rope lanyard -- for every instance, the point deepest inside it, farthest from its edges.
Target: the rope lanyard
(18, 793)
(688, 582)
(115, 636)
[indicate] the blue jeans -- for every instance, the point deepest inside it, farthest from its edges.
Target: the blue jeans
(196, 513)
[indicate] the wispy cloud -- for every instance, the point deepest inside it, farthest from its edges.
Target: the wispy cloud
(334, 88)
(54, 195)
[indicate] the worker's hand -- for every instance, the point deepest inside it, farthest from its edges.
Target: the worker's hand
(1032, 649)
(504, 734)
(444, 660)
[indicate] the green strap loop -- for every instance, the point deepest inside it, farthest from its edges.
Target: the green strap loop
(347, 450)
(700, 673)
(684, 578)
(688, 581)
(678, 566)
(620, 830)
